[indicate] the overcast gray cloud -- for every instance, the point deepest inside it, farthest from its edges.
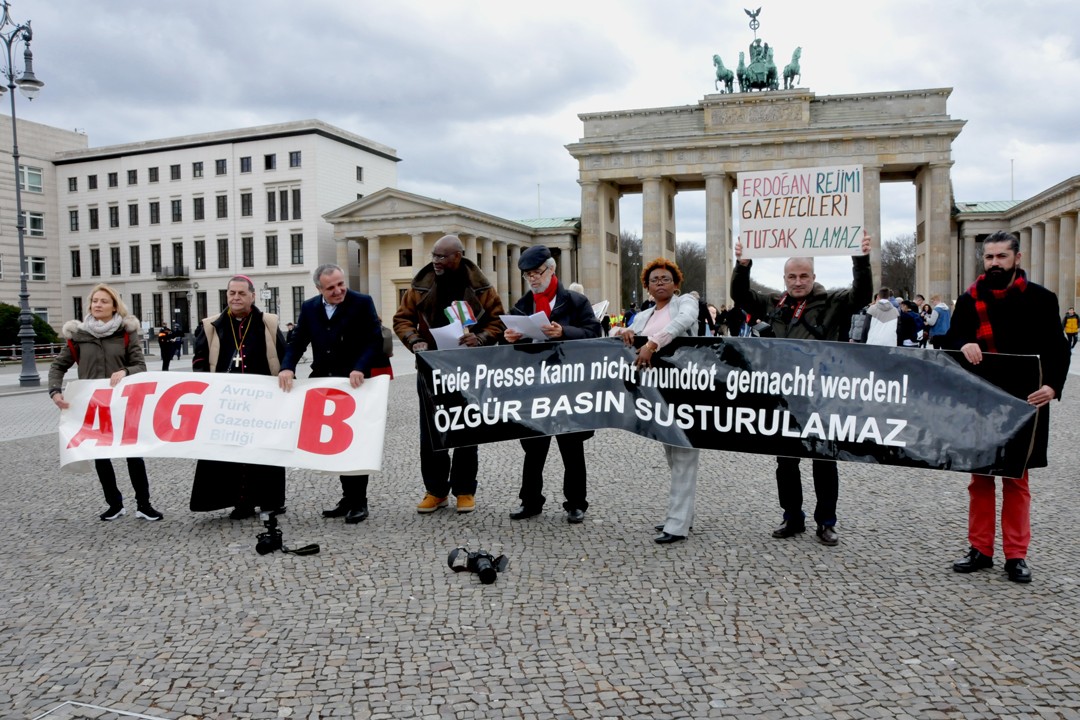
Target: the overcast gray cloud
(480, 97)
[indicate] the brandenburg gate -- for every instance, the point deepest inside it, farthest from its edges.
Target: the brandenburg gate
(903, 136)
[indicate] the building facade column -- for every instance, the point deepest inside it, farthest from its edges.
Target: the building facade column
(501, 280)
(1025, 249)
(375, 288)
(872, 217)
(515, 275)
(941, 243)
(1050, 255)
(342, 256)
(718, 265)
(591, 241)
(651, 242)
(1038, 244)
(971, 264)
(419, 253)
(488, 250)
(470, 247)
(1067, 287)
(361, 266)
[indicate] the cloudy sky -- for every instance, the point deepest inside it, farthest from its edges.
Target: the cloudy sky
(480, 98)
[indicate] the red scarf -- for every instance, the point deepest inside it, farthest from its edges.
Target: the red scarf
(542, 300)
(984, 333)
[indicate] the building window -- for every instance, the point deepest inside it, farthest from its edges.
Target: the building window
(283, 201)
(296, 204)
(30, 178)
(34, 223)
(93, 218)
(196, 169)
(222, 300)
(114, 260)
(270, 162)
(274, 301)
(136, 305)
(114, 216)
(156, 299)
(134, 259)
(404, 258)
(95, 262)
(200, 254)
(41, 312)
(178, 259)
(153, 173)
(133, 215)
(37, 268)
(199, 208)
(271, 206)
(76, 263)
(155, 257)
(91, 182)
(271, 250)
(76, 304)
(133, 177)
(245, 164)
(223, 253)
(222, 206)
(247, 251)
(200, 303)
(220, 167)
(114, 179)
(297, 299)
(294, 158)
(359, 174)
(73, 184)
(177, 211)
(296, 247)
(174, 172)
(73, 220)
(245, 204)
(155, 212)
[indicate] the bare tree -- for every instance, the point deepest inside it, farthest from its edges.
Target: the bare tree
(690, 257)
(898, 265)
(630, 269)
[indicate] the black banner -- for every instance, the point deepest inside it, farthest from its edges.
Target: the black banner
(797, 398)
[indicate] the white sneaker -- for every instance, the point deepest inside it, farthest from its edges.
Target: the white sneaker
(113, 512)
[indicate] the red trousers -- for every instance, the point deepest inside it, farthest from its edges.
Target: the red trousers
(1015, 515)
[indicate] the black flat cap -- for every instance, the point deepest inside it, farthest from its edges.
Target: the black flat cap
(534, 257)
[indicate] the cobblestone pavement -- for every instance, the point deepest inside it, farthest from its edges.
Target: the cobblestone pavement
(183, 619)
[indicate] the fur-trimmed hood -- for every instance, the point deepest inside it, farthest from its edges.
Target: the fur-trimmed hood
(130, 325)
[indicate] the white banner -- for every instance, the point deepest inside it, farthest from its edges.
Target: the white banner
(323, 424)
(800, 212)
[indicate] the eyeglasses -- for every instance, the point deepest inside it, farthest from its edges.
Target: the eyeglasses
(534, 274)
(661, 280)
(443, 258)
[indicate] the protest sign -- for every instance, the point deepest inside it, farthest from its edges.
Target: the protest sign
(799, 212)
(798, 398)
(322, 424)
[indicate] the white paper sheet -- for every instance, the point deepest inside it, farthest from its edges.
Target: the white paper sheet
(530, 326)
(446, 337)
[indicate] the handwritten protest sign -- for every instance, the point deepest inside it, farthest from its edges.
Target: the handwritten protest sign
(323, 424)
(801, 211)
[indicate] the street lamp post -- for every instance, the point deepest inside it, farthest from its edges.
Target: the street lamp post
(29, 85)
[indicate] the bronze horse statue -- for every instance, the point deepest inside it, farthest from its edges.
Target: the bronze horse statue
(723, 75)
(792, 70)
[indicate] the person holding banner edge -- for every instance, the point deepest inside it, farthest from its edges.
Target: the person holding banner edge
(806, 311)
(570, 317)
(105, 344)
(345, 335)
(449, 282)
(670, 316)
(1003, 312)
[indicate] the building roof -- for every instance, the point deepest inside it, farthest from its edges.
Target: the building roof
(987, 206)
(261, 132)
(569, 223)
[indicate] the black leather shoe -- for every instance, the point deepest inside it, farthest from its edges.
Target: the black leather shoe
(242, 513)
(666, 538)
(660, 527)
(357, 515)
(973, 561)
(789, 528)
(1018, 570)
(341, 510)
(826, 535)
(525, 512)
(575, 516)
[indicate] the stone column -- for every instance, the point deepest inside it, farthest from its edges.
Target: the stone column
(515, 276)
(469, 241)
(487, 245)
(718, 263)
(501, 281)
(1038, 245)
(1025, 249)
(419, 254)
(361, 266)
(343, 256)
(652, 243)
(940, 240)
(872, 217)
(591, 260)
(1067, 287)
(1050, 255)
(971, 267)
(375, 288)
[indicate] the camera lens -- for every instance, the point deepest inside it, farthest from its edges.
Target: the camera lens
(485, 570)
(264, 548)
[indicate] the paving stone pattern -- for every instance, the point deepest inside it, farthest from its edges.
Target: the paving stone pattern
(183, 619)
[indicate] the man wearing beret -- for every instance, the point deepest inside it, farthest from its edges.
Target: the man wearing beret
(570, 317)
(449, 277)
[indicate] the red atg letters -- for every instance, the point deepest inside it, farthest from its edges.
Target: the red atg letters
(315, 418)
(100, 408)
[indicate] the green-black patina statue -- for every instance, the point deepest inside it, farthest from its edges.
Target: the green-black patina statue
(723, 75)
(792, 69)
(761, 72)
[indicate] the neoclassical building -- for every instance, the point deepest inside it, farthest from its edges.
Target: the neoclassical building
(385, 238)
